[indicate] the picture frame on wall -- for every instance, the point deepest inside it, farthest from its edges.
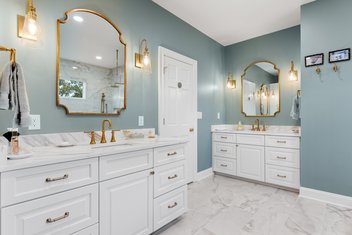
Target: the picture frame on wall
(340, 55)
(314, 60)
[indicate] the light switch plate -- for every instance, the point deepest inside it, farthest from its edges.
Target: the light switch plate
(140, 120)
(35, 122)
(199, 115)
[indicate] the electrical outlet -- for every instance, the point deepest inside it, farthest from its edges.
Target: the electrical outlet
(218, 116)
(140, 120)
(35, 122)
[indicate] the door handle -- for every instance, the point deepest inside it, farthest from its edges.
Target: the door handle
(191, 129)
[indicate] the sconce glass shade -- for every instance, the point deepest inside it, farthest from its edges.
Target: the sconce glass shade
(231, 83)
(28, 26)
(142, 59)
(293, 74)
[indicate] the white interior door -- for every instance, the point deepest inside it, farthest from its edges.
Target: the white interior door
(178, 102)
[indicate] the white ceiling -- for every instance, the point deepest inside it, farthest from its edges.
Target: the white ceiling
(233, 21)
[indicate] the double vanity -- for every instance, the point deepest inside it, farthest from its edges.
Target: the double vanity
(271, 156)
(129, 187)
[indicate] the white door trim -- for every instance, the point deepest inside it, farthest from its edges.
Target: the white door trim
(166, 52)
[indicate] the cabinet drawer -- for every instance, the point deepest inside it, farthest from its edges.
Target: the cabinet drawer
(169, 177)
(224, 137)
(284, 176)
(250, 139)
(169, 206)
(63, 213)
(92, 230)
(224, 150)
(224, 165)
(282, 157)
(125, 163)
(169, 154)
(23, 185)
(282, 142)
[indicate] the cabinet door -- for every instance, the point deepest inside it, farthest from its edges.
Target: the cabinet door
(126, 205)
(250, 162)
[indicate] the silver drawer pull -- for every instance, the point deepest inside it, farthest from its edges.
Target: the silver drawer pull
(281, 142)
(223, 165)
(172, 177)
(282, 176)
(50, 220)
(171, 154)
(223, 137)
(48, 180)
(223, 150)
(173, 205)
(281, 158)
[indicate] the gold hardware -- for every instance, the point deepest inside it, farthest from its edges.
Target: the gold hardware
(318, 70)
(281, 142)
(12, 53)
(281, 158)
(92, 137)
(171, 154)
(258, 125)
(223, 165)
(293, 74)
(231, 83)
(48, 180)
(172, 177)
(253, 129)
(113, 136)
(191, 129)
(50, 220)
(152, 173)
(223, 150)
(103, 139)
(223, 137)
(63, 21)
(242, 91)
(282, 176)
(172, 206)
(142, 59)
(335, 68)
(264, 127)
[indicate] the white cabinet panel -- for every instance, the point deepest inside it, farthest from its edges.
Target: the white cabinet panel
(169, 206)
(282, 142)
(22, 185)
(169, 177)
(224, 165)
(63, 213)
(250, 162)
(169, 154)
(126, 205)
(224, 137)
(125, 163)
(92, 230)
(224, 150)
(284, 176)
(282, 157)
(250, 139)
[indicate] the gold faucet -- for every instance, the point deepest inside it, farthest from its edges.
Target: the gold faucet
(258, 125)
(103, 140)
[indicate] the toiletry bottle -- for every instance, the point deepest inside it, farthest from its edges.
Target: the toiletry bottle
(15, 148)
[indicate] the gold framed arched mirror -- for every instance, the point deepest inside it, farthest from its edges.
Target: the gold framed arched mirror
(91, 74)
(260, 96)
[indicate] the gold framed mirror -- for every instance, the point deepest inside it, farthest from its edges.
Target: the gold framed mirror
(260, 94)
(91, 74)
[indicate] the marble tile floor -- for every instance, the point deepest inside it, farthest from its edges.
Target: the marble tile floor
(225, 206)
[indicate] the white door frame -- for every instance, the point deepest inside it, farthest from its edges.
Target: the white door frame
(161, 64)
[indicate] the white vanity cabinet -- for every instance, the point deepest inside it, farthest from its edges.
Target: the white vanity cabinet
(134, 192)
(264, 157)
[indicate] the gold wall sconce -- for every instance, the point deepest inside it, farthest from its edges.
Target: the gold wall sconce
(293, 74)
(318, 70)
(142, 59)
(28, 26)
(231, 83)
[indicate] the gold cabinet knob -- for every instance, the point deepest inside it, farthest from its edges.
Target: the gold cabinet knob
(191, 129)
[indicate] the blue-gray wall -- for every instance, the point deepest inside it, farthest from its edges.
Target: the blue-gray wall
(280, 48)
(326, 161)
(137, 19)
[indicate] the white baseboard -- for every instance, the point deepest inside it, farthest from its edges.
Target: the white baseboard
(326, 197)
(204, 174)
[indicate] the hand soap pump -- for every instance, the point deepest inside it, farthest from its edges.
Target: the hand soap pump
(14, 144)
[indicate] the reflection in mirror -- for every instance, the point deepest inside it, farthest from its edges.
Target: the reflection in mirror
(261, 89)
(91, 71)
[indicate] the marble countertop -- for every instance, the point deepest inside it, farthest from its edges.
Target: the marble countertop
(46, 155)
(292, 131)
